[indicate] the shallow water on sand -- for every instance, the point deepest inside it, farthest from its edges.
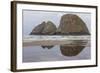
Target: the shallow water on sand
(39, 54)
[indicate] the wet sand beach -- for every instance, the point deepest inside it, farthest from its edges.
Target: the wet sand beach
(35, 53)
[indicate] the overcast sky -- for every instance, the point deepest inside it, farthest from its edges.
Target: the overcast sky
(34, 18)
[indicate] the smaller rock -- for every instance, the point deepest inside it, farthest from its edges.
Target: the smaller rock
(38, 29)
(50, 28)
(44, 28)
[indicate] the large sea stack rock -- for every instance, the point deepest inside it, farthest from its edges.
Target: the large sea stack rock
(44, 28)
(71, 24)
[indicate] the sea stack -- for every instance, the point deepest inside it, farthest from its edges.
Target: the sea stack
(45, 28)
(72, 24)
(38, 29)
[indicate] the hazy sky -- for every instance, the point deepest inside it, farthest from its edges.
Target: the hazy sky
(34, 18)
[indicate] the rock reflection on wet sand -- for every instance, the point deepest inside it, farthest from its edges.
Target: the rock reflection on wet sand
(57, 53)
(73, 49)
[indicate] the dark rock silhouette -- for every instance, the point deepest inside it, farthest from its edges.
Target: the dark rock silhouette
(38, 29)
(49, 47)
(44, 28)
(49, 29)
(71, 24)
(71, 50)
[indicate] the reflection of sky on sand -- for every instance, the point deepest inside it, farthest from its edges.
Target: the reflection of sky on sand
(37, 54)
